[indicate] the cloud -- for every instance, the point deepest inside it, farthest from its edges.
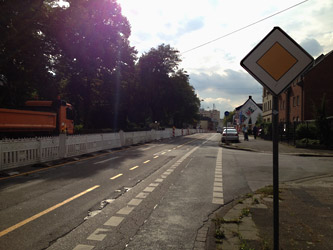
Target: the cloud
(312, 46)
(182, 28)
(227, 90)
(191, 25)
(231, 82)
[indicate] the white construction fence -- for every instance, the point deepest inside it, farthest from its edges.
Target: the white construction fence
(22, 152)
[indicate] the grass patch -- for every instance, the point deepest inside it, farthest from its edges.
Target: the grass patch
(249, 195)
(245, 212)
(255, 201)
(244, 246)
(268, 190)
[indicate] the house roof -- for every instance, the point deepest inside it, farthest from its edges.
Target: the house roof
(250, 98)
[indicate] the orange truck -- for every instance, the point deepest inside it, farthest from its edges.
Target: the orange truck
(38, 118)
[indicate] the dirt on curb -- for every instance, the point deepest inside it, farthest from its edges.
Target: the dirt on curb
(305, 211)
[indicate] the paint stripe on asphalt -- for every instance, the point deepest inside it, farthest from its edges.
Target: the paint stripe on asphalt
(36, 216)
(134, 167)
(110, 159)
(83, 247)
(114, 221)
(97, 235)
(116, 176)
(218, 181)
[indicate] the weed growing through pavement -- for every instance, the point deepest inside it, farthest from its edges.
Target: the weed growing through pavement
(244, 246)
(245, 212)
(255, 201)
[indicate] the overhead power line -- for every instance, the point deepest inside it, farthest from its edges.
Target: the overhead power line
(249, 25)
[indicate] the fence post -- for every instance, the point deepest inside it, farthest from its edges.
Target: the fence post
(122, 138)
(40, 149)
(1, 157)
(62, 146)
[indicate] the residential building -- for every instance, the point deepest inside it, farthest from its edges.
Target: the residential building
(267, 105)
(247, 113)
(213, 115)
(298, 101)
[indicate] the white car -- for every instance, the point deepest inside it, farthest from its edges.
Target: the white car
(230, 134)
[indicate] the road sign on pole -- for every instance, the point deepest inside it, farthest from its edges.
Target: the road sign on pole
(275, 62)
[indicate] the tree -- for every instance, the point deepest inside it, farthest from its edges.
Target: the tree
(94, 56)
(165, 94)
(24, 52)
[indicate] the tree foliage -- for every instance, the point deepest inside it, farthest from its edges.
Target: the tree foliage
(81, 52)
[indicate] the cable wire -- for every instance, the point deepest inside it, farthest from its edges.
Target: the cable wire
(249, 25)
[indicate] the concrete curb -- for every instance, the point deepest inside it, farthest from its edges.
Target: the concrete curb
(237, 226)
(303, 154)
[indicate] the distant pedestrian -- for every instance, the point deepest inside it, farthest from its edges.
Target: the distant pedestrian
(245, 132)
(255, 131)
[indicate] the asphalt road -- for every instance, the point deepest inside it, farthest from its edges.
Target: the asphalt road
(152, 196)
(39, 208)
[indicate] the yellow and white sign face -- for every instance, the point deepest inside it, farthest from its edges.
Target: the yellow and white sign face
(276, 61)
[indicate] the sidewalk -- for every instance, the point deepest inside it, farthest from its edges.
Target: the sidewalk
(260, 145)
(305, 211)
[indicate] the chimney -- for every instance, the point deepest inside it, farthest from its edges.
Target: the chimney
(250, 96)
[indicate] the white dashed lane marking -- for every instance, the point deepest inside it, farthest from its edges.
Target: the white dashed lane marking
(83, 247)
(100, 233)
(114, 221)
(218, 182)
(125, 210)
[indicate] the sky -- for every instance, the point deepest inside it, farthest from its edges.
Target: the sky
(214, 68)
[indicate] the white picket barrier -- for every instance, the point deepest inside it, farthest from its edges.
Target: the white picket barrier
(22, 152)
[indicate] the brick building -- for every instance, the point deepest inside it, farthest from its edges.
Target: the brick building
(307, 91)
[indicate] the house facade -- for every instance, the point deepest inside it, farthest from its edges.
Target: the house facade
(298, 101)
(247, 114)
(267, 103)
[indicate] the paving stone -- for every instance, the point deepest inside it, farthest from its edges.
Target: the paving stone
(201, 239)
(231, 244)
(262, 206)
(199, 244)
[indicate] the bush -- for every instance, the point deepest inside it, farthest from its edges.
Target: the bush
(306, 130)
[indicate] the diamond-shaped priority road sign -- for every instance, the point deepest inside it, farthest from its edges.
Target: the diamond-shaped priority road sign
(276, 61)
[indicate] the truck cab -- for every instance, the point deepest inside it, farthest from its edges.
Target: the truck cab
(64, 111)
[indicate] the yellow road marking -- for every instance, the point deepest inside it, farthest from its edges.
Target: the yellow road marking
(134, 167)
(116, 176)
(147, 161)
(163, 153)
(32, 218)
(155, 156)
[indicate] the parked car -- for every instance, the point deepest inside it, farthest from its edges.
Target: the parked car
(230, 134)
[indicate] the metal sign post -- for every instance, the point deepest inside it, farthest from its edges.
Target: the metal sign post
(275, 138)
(226, 114)
(275, 62)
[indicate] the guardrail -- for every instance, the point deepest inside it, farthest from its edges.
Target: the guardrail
(22, 152)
